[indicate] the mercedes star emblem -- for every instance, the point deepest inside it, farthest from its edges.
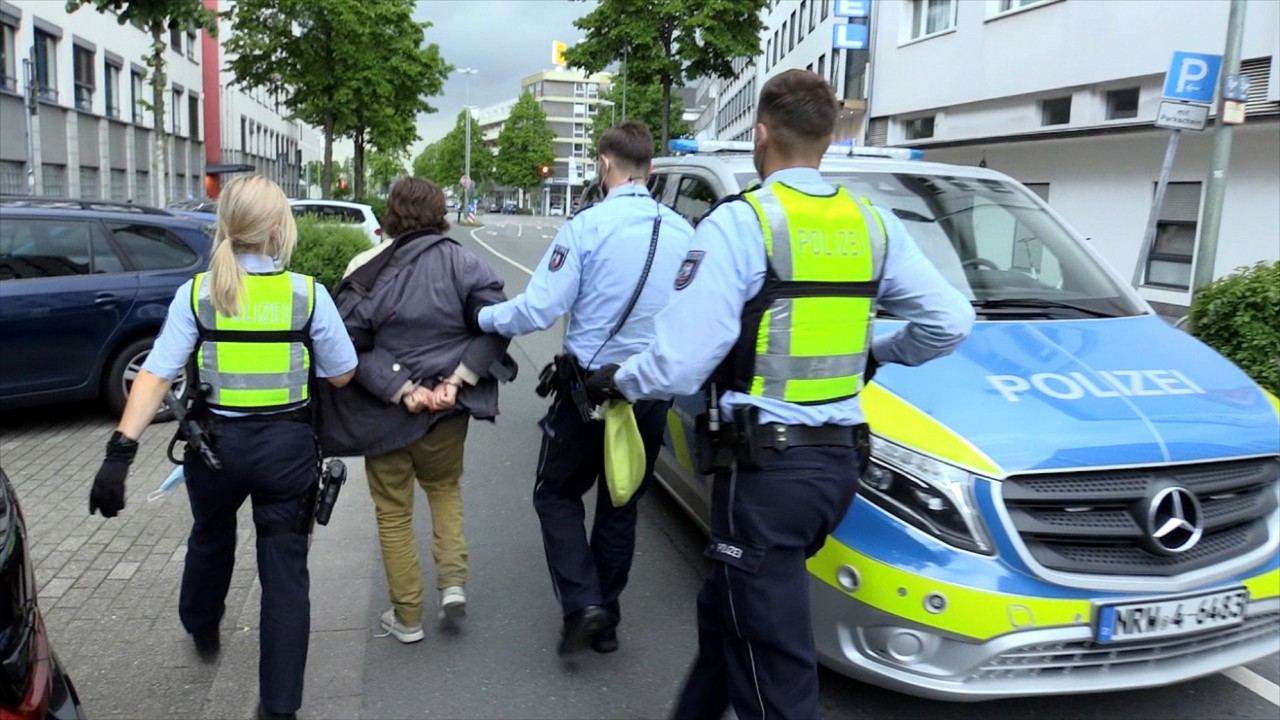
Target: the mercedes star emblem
(1175, 520)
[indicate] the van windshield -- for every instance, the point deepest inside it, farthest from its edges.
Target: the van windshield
(993, 241)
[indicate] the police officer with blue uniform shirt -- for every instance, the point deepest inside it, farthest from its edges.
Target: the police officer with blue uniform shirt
(592, 270)
(257, 361)
(800, 442)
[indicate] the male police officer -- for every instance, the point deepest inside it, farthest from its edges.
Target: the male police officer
(593, 270)
(777, 291)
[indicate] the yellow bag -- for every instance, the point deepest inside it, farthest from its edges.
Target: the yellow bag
(623, 452)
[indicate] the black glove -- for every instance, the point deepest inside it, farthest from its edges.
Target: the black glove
(600, 385)
(108, 486)
(870, 371)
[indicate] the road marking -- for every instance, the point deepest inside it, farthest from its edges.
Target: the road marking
(1255, 683)
(508, 260)
(519, 230)
(546, 237)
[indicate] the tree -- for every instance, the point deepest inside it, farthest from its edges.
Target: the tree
(354, 68)
(427, 164)
(384, 167)
(525, 145)
(452, 149)
(668, 41)
(155, 17)
(644, 103)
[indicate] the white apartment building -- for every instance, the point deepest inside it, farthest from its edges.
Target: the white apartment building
(491, 119)
(91, 135)
(570, 98)
(1062, 94)
(798, 34)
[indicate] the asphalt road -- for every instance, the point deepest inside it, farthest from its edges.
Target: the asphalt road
(658, 633)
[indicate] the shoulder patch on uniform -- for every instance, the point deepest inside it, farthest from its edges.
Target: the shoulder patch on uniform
(688, 269)
(557, 258)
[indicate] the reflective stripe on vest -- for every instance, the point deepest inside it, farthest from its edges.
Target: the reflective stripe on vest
(259, 360)
(826, 255)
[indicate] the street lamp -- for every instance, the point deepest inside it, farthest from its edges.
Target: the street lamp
(613, 114)
(466, 172)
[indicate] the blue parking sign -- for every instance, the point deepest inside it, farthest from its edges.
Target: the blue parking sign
(853, 8)
(851, 36)
(1192, 77)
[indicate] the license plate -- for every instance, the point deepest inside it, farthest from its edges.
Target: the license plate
(1123, 622)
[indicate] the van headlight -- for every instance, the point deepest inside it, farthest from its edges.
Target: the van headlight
(926, 493)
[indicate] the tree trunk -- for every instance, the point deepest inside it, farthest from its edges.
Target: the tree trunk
(159, 82)
(666, 115)
(357, 166)
(326, 174)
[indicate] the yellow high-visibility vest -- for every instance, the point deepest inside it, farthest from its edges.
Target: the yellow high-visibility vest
(805, 337)
(260, 360)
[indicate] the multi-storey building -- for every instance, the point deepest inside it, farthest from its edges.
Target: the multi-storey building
(491, 119)
(570, 98)
(91, 134)
(1062, 94)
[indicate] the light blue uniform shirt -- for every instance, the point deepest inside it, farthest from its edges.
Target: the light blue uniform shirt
(703, 321)
(591, 270)
(332, 351)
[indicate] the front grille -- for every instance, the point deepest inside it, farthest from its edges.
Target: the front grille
(1096, 522)
(1086, 655)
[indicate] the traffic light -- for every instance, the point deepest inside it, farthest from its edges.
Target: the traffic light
(545, 170)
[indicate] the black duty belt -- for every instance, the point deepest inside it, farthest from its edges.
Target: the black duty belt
(298, 415)
(781, 437)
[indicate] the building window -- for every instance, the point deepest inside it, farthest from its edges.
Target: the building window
(826, 8)
(8, 59)
(175, 112)
(792, 44)
(813, 21)
(1169, 262)
(13, 177)
(768, 54)
(175, 39)
(1055, 111)
(136, 80)
(804, 5)
(1007, 5)
(1122, 104)
(191, 44)
(54, 180)
(777, 46)
(918, 128)
(193, 116)
(46, 66)
(111, 86)
(90, 188)
(835, 63)
(82, 60)
(932, 16)
(822, 66)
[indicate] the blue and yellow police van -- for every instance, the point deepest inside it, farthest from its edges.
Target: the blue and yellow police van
(1080, 498)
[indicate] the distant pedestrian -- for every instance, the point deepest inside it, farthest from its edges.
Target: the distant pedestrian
(595, 270)
(256, 333)
(424, 373)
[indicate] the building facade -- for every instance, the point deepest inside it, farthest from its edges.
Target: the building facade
(91, 134)
(1063, 94)
(570, 99)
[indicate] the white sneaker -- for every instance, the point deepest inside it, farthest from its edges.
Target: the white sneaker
(401, 632)
(453, 603)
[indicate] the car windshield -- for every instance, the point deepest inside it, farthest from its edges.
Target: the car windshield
(995, 243)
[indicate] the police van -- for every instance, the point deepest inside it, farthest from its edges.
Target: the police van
(1080, 498)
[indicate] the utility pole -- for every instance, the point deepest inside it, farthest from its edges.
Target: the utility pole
(1211, 217)
(625, 53)
(466, 172)
(32, 107)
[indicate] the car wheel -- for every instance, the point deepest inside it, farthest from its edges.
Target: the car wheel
(123, 370)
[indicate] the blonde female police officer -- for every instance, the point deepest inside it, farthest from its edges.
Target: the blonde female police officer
(256, 333)
(755, 648)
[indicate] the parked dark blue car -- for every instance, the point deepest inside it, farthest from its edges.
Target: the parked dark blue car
(83, 293)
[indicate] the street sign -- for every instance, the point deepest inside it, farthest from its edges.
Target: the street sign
(1181, 116)
(1233, 112)
(849, 36)
(1192, 77)
(1236, 88)
(853, 8)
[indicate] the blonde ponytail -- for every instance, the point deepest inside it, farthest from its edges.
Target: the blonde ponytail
(253, 217)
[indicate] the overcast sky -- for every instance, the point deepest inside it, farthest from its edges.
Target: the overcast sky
(505, 40)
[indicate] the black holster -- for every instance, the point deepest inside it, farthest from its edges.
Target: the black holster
(564, 374)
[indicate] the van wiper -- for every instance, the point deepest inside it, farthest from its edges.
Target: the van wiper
(1039, 304)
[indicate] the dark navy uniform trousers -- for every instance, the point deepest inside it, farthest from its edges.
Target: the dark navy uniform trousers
(570, 463)
(755, 641)
(274, 463)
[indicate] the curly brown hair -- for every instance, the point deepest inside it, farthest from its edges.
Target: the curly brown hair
(415, 204)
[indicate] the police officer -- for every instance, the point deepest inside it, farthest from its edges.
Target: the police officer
(253, 334)
(592, 270)
(782, 281)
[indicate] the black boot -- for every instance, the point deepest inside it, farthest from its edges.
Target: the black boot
(580, 627)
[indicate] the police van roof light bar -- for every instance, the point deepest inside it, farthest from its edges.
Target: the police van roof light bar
(689, 146)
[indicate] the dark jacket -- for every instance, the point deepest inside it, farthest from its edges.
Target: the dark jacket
(408, 311)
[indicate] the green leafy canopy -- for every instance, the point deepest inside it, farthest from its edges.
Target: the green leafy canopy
(524, 145)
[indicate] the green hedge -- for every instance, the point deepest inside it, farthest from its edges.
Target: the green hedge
(325, 249)
(1239, 315)
(378, 204)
